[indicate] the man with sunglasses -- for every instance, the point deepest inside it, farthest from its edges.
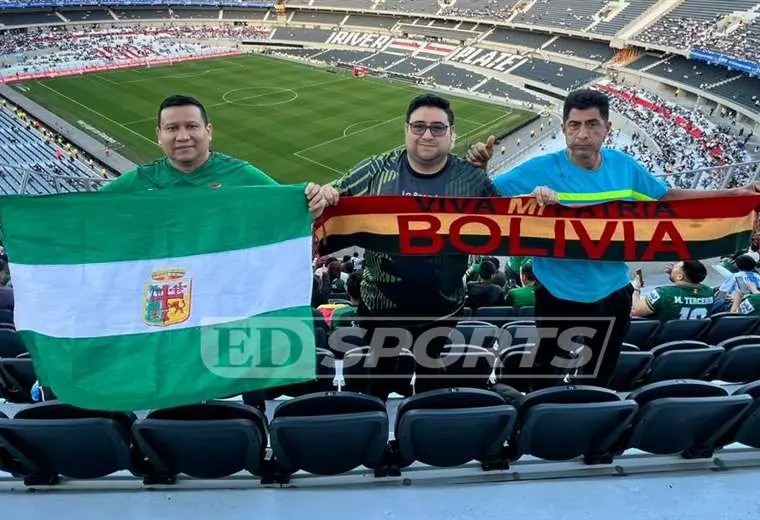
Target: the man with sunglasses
(414, 293)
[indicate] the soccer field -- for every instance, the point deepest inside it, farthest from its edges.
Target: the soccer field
(295, 122)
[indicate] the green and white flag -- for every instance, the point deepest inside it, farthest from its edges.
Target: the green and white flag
(130, 301)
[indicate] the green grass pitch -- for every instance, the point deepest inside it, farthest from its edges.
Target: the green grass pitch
(295, 122)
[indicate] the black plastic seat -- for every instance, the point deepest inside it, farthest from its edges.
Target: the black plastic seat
(17, 377)
(514, 366)
(685, 416)
(11, 344)
(682, 360)
(447, 428)
(747, 430)
(739, 365)
(739, 341)
(562, 423)
(329, 433)
(479, 334)
(495, 315)
(630, 369)
(517, 333)
(360, 365)
(641, 332)
(323, 383)
(680, 330)
(210, 440)
(57, 440)
(726, 325)
(468, 366)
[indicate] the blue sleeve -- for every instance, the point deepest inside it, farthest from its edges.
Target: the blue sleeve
(647, 184)
(521, 180)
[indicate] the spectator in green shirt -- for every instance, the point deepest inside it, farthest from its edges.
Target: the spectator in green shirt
(524, 296)
(184, 133)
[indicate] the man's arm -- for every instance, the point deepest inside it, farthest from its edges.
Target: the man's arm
(354, 183)
(643, 307)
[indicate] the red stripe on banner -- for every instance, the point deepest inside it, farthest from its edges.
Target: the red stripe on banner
(707, 207)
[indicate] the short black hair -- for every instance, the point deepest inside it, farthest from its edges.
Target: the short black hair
(430, 100)
(179, 100)
(585, 99)
(353, 285)
(487, 270)
(694, 271)
(745, 263)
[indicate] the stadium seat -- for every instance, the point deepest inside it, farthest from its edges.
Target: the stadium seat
(629, 347)
(468, 366)
(682, 360)
(329, 433)
(17, 377)
(680, 330)
(526, 312)
(727, 325)
(210, 440)
(562, 423)
(6, 319)
(747, 430)
(323, 382)
(738, 341)
(446, 428)
(517, 333)
(476, 333)
(514, 366)
(56, 440)
(630, 369)
(739, 365)
(684, 416)
(343, 339)
(495, 315)
(641, 332)
(10, 344)
(396, 373)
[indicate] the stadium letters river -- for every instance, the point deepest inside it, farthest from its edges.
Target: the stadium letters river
(624, 230)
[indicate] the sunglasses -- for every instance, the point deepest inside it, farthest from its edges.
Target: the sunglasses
(436, 129)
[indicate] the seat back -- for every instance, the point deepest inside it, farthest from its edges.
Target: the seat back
(681, 330)
(495, 315)
(518, 333)
(329, 433)
(11, 344)
(662, 348)
(684, 364)
(750, 339)
(727, 327)
(630, 368)
(468, 366)
(641, 332)
(483, 335)
(17, 377)
(395, 373)
(739, 365)
(446, 428)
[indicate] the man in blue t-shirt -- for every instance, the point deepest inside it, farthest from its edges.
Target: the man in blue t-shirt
(584, 173)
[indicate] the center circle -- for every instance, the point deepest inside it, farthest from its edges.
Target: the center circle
(259, 96)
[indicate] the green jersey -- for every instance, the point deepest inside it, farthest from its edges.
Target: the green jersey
(674, 302)
(522, 296)
(750, 305)
(396, 285)
(218, 171)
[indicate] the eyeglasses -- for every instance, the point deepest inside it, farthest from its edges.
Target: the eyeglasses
(436, 129)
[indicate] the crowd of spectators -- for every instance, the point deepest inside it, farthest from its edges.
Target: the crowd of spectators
(738, 39)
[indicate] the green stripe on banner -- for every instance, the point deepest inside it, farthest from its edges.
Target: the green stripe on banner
(112, 227)
(603, 196)
(152, 370)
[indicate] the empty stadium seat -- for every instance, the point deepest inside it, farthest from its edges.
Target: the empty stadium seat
(514, 366)
(630, 369)
(477, 333)
(740, 364)
(55, 440)
(563, 423)
(329, 433)
(17, 377)
(323, 383)
(495, 315)
(747, 429)
(682, 360)
(210, 440)
(641, 332)
(11, 344)
(727, 325)
(446, 428)
(517, 333)
(680, 330)
(686, 416)
(468, 366)
(395, 373)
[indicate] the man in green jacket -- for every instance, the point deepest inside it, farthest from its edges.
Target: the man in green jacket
(185, 135)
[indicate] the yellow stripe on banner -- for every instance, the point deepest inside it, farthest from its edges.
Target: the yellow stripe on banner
(604, 196)
(385, 224)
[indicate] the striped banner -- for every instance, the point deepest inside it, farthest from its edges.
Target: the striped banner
(619, 230)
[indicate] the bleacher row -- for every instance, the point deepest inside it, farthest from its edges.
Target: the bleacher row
(671, 398)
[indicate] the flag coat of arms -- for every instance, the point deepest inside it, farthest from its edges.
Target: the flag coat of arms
(132, 301)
